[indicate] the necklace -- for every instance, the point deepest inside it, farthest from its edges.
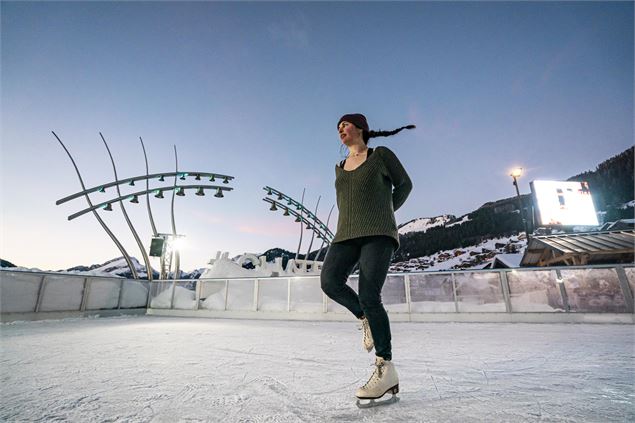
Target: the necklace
(357, 154)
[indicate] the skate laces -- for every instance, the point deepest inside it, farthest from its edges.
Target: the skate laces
(374, 378)
(368, 335)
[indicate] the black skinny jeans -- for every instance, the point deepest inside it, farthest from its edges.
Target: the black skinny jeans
(373, 254)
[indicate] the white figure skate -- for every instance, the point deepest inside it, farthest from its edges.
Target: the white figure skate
(369, 344)
(383, 380)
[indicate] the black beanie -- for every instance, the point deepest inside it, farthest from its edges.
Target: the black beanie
(356, 119)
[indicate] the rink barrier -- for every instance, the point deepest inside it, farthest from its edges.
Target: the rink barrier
(598, 294)
(27, 295)
(574, 294)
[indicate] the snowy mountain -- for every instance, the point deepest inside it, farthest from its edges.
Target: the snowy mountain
(422, 224)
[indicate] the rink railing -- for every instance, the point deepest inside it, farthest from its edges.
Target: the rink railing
(599, 293)
(26, 295)
(558, 294)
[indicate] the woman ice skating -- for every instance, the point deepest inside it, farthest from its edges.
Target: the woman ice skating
(367, 235)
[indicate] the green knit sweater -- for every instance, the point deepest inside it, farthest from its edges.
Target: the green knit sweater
(365, 198)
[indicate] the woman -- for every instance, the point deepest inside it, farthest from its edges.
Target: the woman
(366, 235)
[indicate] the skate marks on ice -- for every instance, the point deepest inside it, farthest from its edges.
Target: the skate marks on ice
(149, 369)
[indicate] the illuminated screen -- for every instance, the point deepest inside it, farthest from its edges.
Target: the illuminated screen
(564, 203)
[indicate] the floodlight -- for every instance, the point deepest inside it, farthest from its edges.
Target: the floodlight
(516, 172)
(200, 191)
(178, 243)
(273, 207)
(219, 193)
(159, 193)
(180, 192)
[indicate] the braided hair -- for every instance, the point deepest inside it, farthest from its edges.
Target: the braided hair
(366, 135)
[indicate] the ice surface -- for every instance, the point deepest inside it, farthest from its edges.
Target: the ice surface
(158, 369)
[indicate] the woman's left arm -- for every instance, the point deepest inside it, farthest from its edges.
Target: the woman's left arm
(399, 177)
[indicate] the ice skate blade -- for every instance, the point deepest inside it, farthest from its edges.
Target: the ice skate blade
(374, 403)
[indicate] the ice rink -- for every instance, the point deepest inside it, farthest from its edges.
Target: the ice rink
(158, 369)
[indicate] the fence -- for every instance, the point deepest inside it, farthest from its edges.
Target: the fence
(24, 293)
(562, 294)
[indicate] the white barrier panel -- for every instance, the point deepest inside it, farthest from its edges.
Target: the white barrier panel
(19, 291)
(535, 291)
(306, 295)
(61, 293)
(479, 292)
(431, 293)
(103, 293)
(135, 294)
(594, 290)
(273, 294)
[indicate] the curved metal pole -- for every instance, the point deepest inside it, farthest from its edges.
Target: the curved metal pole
(324, 239)
(145, 156)
(177, 258)
(306, 257)
(146, 260)
(139, 178)
(144, 192)
(301, 229)
(99, 219)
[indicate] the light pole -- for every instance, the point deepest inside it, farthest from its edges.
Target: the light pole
(515, 174)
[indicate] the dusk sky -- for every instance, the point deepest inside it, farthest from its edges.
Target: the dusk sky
(255, 90)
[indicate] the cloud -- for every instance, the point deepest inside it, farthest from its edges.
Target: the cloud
(292, 32)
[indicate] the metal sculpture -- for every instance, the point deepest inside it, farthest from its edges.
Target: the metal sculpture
(134, 198)
(303, 216)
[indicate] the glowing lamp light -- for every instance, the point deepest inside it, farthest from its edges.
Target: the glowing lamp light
(516, 172)
(179, 243)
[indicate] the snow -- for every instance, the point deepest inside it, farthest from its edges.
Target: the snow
(157, 369)
(422, 224)
(510, 260)
(461, 221)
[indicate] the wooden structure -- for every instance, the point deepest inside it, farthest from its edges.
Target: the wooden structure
(580, 249)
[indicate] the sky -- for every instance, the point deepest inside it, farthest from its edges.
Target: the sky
(255, 89)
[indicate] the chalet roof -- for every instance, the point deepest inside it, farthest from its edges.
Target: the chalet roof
(581, 248)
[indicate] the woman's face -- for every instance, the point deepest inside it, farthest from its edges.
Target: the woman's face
(349, 133)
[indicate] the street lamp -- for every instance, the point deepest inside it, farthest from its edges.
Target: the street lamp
(515, 174)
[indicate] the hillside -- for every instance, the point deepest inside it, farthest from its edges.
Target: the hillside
(611, 184)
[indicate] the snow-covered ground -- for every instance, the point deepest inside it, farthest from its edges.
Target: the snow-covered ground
(155, 369)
